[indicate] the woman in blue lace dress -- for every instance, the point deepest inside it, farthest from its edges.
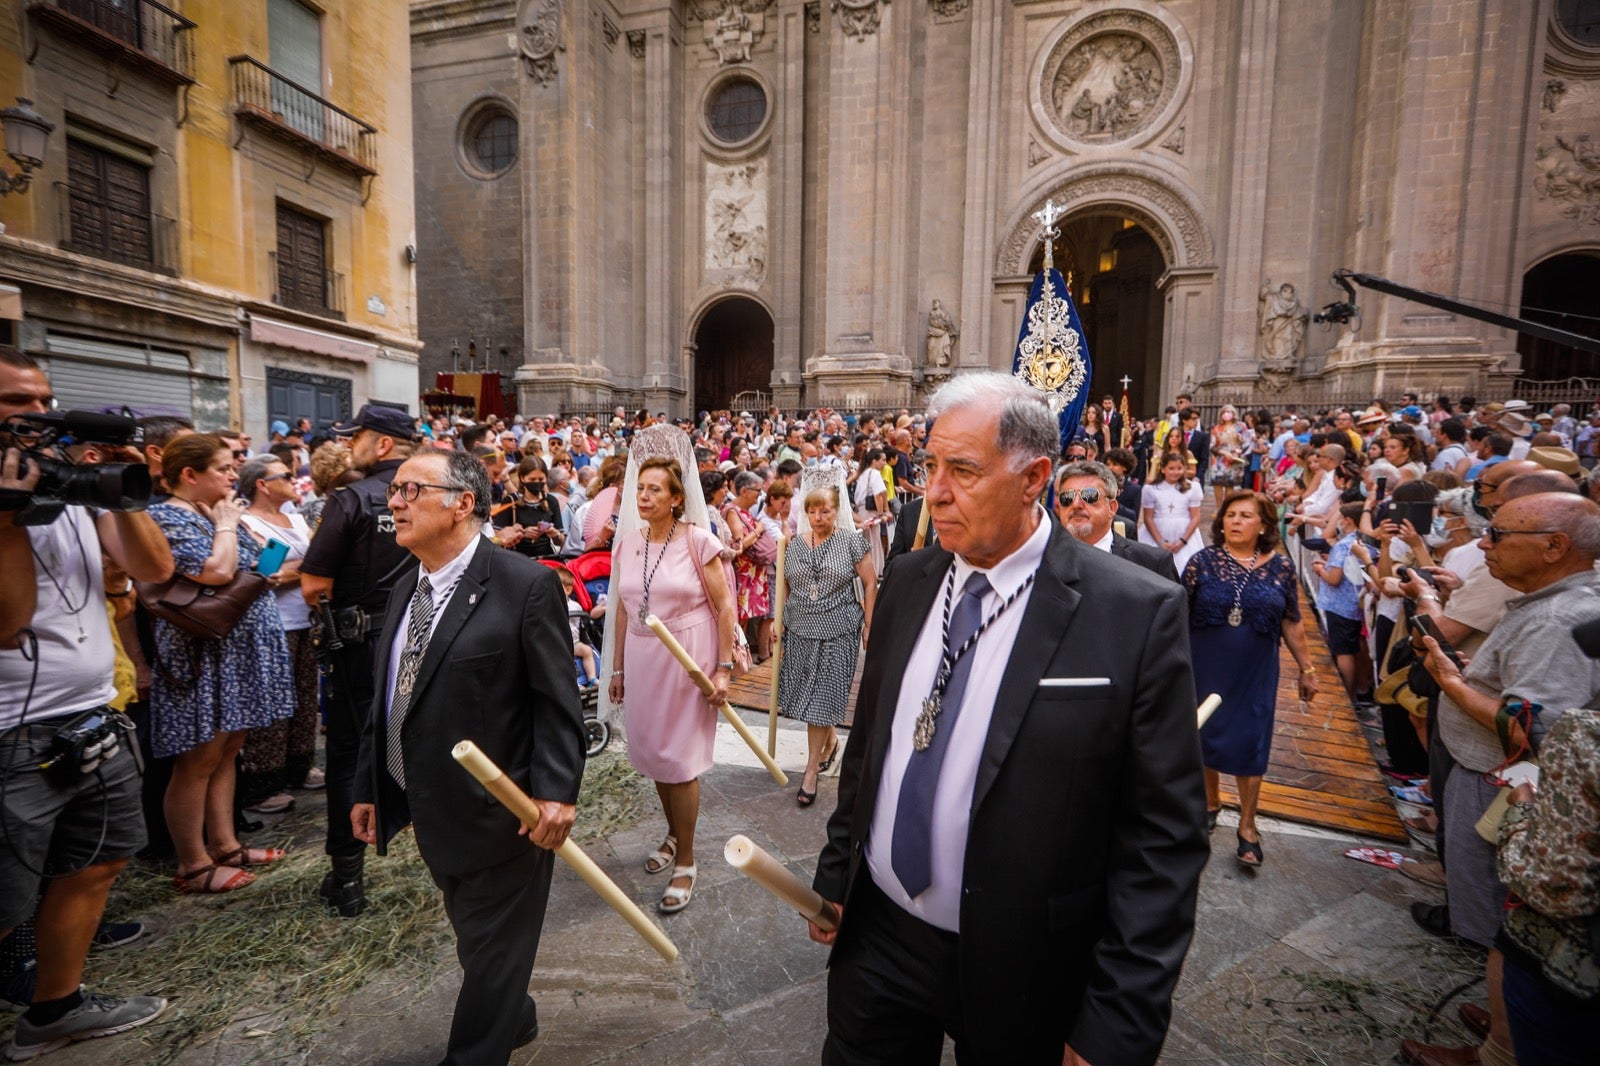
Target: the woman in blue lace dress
(206, 693)
(1243, 600)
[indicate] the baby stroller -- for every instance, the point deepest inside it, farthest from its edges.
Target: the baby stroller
(597, 734)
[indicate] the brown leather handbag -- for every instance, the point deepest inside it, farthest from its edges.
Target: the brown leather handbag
(208, 612)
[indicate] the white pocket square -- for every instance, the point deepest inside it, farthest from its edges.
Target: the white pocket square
(1073, 682)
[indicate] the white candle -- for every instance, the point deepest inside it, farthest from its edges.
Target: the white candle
(480, 766)
(704, 684)
(1207, 707)
(778, 595)
(744, 855)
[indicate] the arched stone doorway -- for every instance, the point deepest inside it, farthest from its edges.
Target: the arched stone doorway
(1559, 292)
(1155, 217)
(733, 352)
(1112, 264)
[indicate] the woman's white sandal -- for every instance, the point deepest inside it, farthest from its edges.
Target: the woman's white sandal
(673, 899)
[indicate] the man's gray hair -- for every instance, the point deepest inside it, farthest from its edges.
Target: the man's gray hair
(1027, 430)
(463, 473)
(1089, 468)
(1578, 518)
(747, 479)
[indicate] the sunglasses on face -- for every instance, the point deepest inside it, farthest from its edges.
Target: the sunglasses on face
(277, 477)
(241, 453)
(410, 490)
(1496, 534)
(1089, 496)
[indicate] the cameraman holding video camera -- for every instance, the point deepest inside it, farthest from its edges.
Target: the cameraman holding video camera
(66, 820)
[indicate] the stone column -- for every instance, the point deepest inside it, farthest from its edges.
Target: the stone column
(978, 348)
(863, 362)
(666, 381)
(786, 204)
(1257, 48)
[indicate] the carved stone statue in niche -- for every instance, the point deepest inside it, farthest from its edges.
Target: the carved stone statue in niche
(1281, 322)
(1107, 86)
(942, 335)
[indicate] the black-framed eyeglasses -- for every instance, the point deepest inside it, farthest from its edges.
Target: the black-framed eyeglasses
(410, 490)
(1496, 534)
(1090, 496)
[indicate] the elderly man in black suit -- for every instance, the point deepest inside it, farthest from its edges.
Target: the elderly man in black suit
(476, 647)
(1086, 503)
(1019, 835)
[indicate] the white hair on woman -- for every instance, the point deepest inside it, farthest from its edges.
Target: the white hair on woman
(1028, 430)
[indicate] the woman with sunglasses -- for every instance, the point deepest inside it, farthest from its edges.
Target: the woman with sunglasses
(281, 755)
(206, 694)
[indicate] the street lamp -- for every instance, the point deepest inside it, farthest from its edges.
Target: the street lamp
(26, 133)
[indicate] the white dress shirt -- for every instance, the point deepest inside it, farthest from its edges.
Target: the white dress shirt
(1104, 543)
(442, 582)
(940, 903)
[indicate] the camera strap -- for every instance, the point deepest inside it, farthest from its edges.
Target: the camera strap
(14, 499)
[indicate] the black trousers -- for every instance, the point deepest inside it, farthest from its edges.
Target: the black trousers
(349, 701)
(497, 915)
(896, 992)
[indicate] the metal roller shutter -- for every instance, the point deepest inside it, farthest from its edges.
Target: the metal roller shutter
(93, 374)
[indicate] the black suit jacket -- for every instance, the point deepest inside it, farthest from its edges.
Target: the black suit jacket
(1200, 448)
(1086, 839)
(498, 672)
(905, 529)
(1152, 558)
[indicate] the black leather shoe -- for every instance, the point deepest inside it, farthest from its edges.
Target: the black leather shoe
(1432, 917)
(342, 887)
(530, 1030)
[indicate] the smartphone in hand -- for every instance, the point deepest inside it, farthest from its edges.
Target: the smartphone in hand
(272, 557)
(1426, 626)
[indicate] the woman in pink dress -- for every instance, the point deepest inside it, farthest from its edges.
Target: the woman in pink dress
(668, 568)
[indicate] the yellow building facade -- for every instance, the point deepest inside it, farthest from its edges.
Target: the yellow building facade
(222, 223)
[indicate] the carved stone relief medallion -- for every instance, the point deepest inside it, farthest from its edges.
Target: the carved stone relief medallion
(539, 38)
(1112, 77)
(859, 18)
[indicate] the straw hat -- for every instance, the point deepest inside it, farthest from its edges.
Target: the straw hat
(1515, 424)
(1561, 460)
(1371, 417)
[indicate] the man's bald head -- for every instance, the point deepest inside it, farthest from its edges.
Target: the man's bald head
(1500, 473)
(1535, 482)
(1573, 517)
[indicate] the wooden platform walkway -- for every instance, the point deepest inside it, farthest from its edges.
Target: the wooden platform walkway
(1321, 772)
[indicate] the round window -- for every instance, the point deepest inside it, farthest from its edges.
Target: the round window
(491, 141)
(736, 110)
(1580, 19)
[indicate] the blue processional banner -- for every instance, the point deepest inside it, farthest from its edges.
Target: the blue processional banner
(1052, 355)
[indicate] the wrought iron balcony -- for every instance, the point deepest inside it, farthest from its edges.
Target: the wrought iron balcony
(318, 292)
(271, 101)
(92, 226)
(151, 35)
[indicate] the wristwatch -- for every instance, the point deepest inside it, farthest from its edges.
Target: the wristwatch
(728, 666)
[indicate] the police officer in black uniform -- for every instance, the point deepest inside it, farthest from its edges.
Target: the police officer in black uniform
(354, 560)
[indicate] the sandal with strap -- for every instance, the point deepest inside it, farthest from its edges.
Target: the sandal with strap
(243, 856)
(199, 882)
(674, 899)
(827, 762)
(661, 858)
(1249, 853)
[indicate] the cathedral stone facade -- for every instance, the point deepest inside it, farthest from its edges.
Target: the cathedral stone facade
(710, 202)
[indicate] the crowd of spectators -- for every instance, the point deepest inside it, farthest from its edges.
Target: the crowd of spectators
(1471, 523)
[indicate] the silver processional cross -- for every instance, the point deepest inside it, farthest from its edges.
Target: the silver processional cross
(1046, 217)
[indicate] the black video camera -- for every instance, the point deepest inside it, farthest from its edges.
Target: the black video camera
(44, 439)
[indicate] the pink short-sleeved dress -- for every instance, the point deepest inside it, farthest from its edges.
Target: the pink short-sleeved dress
(671, 729)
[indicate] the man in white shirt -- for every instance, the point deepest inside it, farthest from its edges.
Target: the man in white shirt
(1020, 816)
(56, 662)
